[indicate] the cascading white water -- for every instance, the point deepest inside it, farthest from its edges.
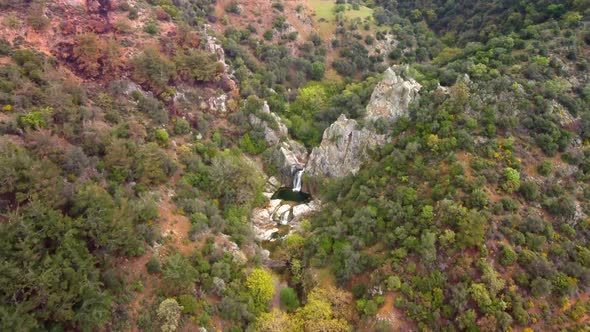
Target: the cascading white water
(297, 180)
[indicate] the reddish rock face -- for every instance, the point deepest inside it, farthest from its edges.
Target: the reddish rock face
(100, 8)
(162, 15)
(67, 28)
(99, 26)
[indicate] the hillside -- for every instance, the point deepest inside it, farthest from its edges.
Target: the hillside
(294, 165)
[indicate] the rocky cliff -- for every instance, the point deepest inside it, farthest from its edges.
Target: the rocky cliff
(273, 132)
(392, 97)
(343, 149)
(344, 145)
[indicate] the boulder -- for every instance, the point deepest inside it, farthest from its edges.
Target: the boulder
(392, 96)
(273, 183)
(303, 210)
(266, 235)
(260, 216)
(218, 103)
(273, 205)
(279, 213)
(343, 149)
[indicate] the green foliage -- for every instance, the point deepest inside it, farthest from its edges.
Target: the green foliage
(35, 119)
(153, 266)
(151, 28)
(289, 299)
(541, 287)
(178, 275)
(162, 136)
(233, 8)
(152, 68)
(512, 177)
(508, 256)
(252, 146)
(268, 34)
(189, 303)
(36, 17)
(198, 66)
(64, 295)
(181, 127)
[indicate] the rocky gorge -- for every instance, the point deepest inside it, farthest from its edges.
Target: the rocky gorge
(344, 148)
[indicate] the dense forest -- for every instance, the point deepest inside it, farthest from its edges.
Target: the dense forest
(145, 146)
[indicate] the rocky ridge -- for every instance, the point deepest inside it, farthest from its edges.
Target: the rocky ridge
(343, 149)
(345, 145)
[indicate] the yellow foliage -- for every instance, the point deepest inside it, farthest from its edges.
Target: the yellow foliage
(275, 320)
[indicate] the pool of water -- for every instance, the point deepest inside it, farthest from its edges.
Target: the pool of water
(287, 194)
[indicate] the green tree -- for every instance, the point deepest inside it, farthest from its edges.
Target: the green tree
(428, 247)
(152, 68)
(198, 66)
(541, 287)
(512, 178)
(289, 299)
(178, 275)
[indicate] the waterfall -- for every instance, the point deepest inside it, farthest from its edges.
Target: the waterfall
(297, 180)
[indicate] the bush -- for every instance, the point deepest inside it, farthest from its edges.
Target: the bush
(233, 8)
(512, 177)
(153, 265)
(162, 136)
(189, 304)
(289, 299)
(545, 168)
(508, 256)
(529, 190)
(151, 29)
(153, 68)
(181, 127)
(541, 287)
(268, 34)
(36, 16)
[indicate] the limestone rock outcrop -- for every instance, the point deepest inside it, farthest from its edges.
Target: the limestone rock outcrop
(274, 130)
(343, 149)
(344, 145)
(392, 96)
(288, 156)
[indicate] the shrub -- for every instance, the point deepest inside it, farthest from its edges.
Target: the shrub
(169, 315)
(541, 287)
(151, 28)
(268, 34)
(233, 8)
(162, 136)
(36, 17)
(153, 265)
(181, 127)
(289, 299)
(508, 256)
(153, 68)
(512, 178)
(529, 190)
(190, 305)
(545, 168)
